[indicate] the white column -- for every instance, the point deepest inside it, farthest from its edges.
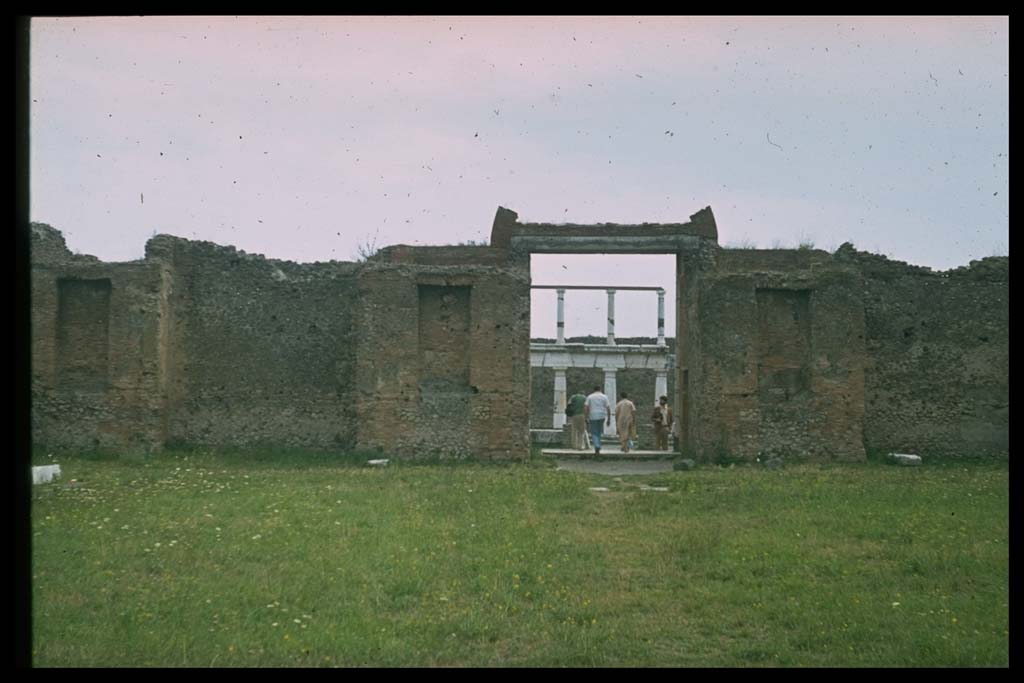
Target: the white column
(611, 392)
(561, 316)
(559, 409)
(661, 317)
(660, 385)
(611, 317)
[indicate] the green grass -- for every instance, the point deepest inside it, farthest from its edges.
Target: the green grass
(265, 559)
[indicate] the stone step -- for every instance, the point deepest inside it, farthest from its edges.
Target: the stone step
(552, 436)
(609, 452)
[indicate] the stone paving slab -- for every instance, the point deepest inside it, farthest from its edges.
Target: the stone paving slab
(614, 467)
(607, 453)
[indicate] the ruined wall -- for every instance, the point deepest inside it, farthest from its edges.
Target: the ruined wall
(443, 354)
(425, 350)
(261, 351)
(689, 371)
(937, 374)
(780, 357)
(96, 366)
(200, 344)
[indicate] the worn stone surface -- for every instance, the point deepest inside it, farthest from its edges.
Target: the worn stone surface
(905, 459)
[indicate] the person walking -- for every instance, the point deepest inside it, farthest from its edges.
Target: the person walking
(625, 421)
(577, 421)
(597, 409)
(662, 419)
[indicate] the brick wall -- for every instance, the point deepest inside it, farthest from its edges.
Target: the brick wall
(443, 358)
(776, 358)
(97, 370)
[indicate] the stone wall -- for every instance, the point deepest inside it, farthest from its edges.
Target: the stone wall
(261, 351)
(443, 355)
(778, 363)
(97, 371)
(201, 344)
(425, 350)
(937, 349)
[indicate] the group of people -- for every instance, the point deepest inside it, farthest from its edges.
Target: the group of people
(588, 416)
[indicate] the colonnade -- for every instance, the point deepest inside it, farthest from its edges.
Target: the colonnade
(609, 356)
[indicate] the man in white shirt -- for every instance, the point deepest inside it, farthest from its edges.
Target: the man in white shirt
(598, 411)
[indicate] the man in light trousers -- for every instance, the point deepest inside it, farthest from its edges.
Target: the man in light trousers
(598, 411)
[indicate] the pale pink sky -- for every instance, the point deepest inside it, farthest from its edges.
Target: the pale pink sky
(302, 137)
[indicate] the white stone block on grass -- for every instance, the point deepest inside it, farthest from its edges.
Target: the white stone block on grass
(905, 459)
(45, 473)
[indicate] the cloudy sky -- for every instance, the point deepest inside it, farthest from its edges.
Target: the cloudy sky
(305, 138)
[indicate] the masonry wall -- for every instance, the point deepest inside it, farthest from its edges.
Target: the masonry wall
(443, 355)
(425, 350)
(689, 373)
(96, 366)
(780, 364)
(261, 352)
(937, 372)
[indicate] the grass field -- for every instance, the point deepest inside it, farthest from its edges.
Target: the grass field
(265, 559)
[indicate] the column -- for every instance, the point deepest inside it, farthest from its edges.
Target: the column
(611, 317)
(661, 317)
(660, 385)
(612, 393)
(561, 316)
(559, 408)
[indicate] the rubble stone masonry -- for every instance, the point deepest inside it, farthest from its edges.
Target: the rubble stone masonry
(422, 351)
(937, 357)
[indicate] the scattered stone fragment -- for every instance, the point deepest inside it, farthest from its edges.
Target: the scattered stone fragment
(685, 464)
(45, 473)
(905, 459)
(654, 488)
(600, 489)
(378, 463)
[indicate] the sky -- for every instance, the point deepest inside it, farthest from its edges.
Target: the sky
(313, 138)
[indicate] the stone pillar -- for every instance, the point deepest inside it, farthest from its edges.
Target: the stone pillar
(611, 391)
(660, 385)
(661, 317)
(561, 316)
(559, 408)
(611, 316)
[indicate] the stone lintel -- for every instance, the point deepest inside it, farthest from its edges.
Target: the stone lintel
(590, 243)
